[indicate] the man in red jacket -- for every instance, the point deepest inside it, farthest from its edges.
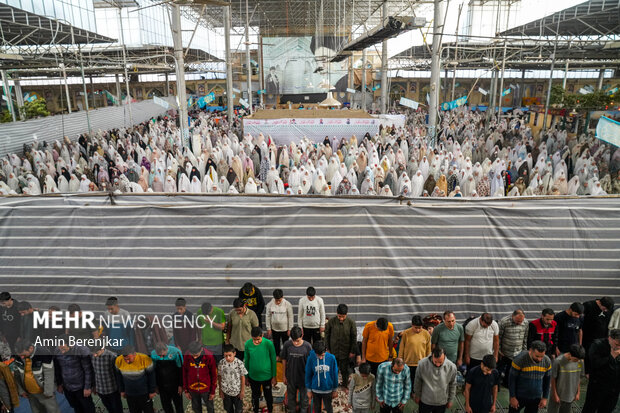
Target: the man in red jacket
(199, 377)
(543, 329)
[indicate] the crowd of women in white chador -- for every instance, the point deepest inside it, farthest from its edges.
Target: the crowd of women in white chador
(468, 160)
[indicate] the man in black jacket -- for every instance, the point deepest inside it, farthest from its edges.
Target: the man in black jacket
(168, 362)
(604, 384)
(252, 296)
(596, 316)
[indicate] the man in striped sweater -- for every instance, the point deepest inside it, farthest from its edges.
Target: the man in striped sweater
(530, 377)
(136, 379)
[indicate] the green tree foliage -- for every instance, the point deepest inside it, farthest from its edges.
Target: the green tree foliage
(35, 109)
(596, 100)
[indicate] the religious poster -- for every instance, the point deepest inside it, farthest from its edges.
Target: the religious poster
(301, 65)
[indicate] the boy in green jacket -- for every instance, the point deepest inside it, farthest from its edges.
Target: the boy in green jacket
(260, 362)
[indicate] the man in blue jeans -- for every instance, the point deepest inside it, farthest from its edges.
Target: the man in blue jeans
(321, 377)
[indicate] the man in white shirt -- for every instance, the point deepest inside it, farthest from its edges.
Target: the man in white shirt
(311, 315)
(481, 338)
(279, 319)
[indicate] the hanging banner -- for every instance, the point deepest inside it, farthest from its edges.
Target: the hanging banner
(160, 102)
(351, 90)
(409, 103)
(205, 100)
(612, 91)
(260, 92)
(506, 92)
(608, 130)
(454, 104)
(484, 92)
(319, 121)
(111, 97)
(244, 103)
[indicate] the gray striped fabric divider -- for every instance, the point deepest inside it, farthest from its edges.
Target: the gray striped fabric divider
(380, 256)
(14, 135)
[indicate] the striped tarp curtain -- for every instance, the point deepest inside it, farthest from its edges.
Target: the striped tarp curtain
(380, 256)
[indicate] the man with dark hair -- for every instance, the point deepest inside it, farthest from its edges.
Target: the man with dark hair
(74, 375)
(529, 380)
(481, 338)
(415, 344)
(341, 340)
(253, 298)
(435, 383)
(481, 387)
(279, 319)
(512, 340)
(184, 330)
(321, 377)
(450, 336)
(569, 327)
(241, 320)
(596, 316)
(604, 384)
(260, 362)
(103, 361)
(543, 329)
(26, 315)
(79, 331)
(362, 390)
(294, 355)
(311, 315)
(393, 385)
(168, 363)
(377, 343)
(34, 377)
(568, 369)
(199, 377)
(117, 327)
(10, 321)
(136, 379)
(212, 323)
